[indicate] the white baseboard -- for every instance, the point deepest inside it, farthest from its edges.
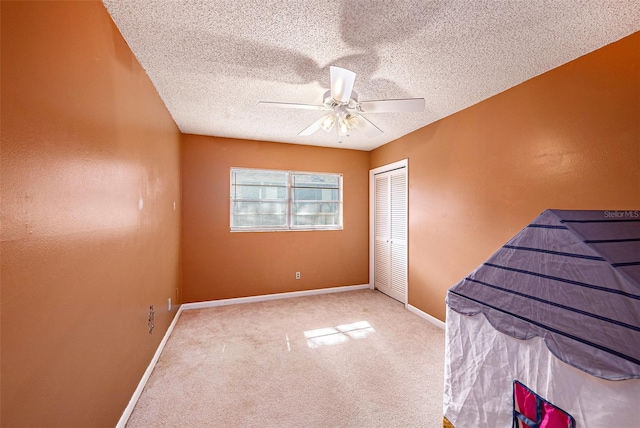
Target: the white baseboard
(265, 297)
(145, 377)
(433, 320)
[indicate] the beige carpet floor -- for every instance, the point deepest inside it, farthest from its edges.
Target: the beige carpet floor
(350, 359)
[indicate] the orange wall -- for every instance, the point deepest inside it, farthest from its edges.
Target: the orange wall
(568, 139)
(218, 264)
(85, 137)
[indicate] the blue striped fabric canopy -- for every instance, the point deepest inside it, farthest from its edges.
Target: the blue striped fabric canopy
(572, 278)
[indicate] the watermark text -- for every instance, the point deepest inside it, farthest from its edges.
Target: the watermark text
(622, 214)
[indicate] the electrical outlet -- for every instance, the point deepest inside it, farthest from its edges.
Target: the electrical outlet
(169, 304)
(297, 275)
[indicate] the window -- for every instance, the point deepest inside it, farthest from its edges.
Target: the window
(265, 200)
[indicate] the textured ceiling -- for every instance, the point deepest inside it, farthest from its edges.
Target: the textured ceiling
(212, 61)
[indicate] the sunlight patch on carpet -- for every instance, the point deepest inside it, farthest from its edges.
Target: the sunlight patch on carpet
(337, 335)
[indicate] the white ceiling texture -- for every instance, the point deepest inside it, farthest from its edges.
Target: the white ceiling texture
(211, 61)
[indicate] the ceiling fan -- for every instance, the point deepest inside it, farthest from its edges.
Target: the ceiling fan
(344, 111)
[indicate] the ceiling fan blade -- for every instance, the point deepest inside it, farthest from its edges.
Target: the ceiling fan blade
(342, 81)
(293, 105)
(314, 126)
(392, 106)
(369, 129)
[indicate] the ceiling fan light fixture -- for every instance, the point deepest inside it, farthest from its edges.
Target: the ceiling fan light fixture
(343, 127)
(351, 121)
(328, 122)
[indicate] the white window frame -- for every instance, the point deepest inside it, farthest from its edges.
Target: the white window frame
(289, 204)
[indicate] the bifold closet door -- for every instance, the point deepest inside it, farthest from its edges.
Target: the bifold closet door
(390, 233)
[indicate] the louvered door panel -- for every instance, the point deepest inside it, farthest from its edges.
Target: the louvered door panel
(390, 233)
(383, 266)
(382, 234)
(382, 214)
(398, 225)
(399, 207)
(398, 271)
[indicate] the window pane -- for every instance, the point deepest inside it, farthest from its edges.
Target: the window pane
(310, 208)
(308, 194)
(244, 207)
(316, 220)
(309, 188)
(259, 177)
(316, 214)
(262, 221)
(259, 214)
(259, 192)
(316, 180)
(258, 184)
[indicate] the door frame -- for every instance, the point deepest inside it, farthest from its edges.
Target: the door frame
(404, 163)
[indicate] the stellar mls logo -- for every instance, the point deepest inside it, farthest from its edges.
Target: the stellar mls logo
(620, 214)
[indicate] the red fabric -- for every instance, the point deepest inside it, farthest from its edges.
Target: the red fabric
(553, 417)
(525, 404)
